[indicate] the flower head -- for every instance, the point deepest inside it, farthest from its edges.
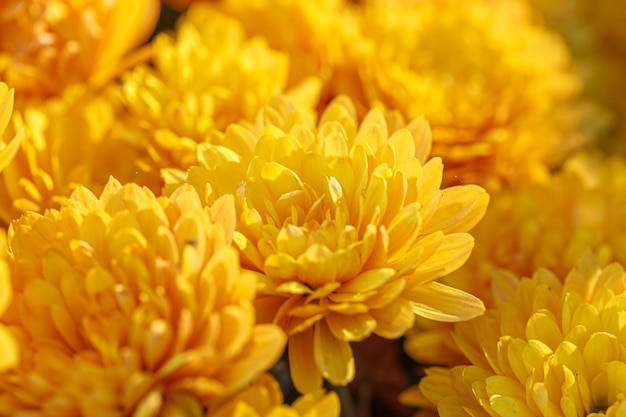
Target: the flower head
(67, 141)
(46, 45)
(490, 81)
(552, 346)
(205, 76)
(349, 226)
(130, 303)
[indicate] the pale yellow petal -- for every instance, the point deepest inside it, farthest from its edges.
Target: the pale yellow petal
(305, 374)
(440, 302)
(333, 356)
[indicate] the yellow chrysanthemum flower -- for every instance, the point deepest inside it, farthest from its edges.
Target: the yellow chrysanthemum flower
(264, 399)
(321, 37)
(549, 225)
(349, 226)
(596, 35)
(493, 84)
(46, 45)
(549, 348)
(68, 141)
(130, 304)
(205, 76)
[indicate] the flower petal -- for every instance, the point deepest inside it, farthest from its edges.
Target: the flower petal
(333, 356)
(440, 302)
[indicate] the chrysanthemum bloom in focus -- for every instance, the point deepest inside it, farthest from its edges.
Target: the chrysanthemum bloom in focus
(130, 304)
(549, 348)
(549, 224)
(494, 85)
(321, 37)
(205, 76)
(264, 398)
(67, 141)
(46, 45)
(349, 226)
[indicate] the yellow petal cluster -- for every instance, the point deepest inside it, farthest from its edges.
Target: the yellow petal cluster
(67, 141)
(129, 304)
(495, 85)
(349, 225)
(552, 346)
(264, 399)
(205, 76)
(46, 45)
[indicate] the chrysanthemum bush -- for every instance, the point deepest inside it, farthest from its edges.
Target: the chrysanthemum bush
(553, 345)
(349, 226)
(307, 150)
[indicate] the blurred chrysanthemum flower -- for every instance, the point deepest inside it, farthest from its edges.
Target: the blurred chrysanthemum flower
(550, 225)
(549, 348)
(67, 141)
(130, 304)
(264, 399)
(349, 226)
(494, 85)
(321, 37)
(204, 76)
(46, 45)
(596, 35)
(581, 210)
